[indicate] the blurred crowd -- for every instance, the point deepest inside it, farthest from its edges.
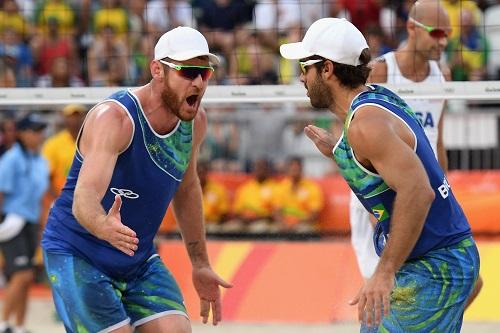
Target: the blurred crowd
(73, 43)
(263, 201)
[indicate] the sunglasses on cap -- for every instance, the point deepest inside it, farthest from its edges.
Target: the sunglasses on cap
(191, 72)
(433, 32)
(304, 64)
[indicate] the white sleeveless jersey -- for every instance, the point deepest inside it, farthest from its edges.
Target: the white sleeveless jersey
(427, 111)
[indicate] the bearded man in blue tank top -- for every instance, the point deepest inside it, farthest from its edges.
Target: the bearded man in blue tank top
(136, 152)
(428, 259)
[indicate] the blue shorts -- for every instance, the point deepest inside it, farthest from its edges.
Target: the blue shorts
(430, 292)
(89, 301)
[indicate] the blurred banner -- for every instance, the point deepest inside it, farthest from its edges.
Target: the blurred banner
(300, 282)
(478, 192)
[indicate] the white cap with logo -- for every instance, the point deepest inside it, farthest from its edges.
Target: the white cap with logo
(183, 43)
(331, 38)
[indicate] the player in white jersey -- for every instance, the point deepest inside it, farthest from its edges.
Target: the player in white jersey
(415, 62)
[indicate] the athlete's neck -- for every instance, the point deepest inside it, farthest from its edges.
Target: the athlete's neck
(412, 65)
(342, 99)
(162, 120)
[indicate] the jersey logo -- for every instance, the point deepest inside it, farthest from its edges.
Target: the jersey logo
(123, 192)
(425, 119)
(380, 212)
(444, 189)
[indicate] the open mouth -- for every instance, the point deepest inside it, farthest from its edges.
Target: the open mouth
(191, 100)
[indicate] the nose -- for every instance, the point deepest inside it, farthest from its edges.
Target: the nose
(302, 77)
(198, 82)
(443, 42)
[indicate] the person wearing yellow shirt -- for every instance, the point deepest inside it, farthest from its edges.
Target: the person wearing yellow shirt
(253, 204)
(111, 14)
(298, 200)
(215, 198)
(454, 9)
(59, 149)
(58, 9)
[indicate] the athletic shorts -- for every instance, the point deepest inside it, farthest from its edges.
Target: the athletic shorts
(430, 293)
(19, 251)
(89, 301)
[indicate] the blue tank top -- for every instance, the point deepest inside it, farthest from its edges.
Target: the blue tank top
(146, 176)
(445, 224)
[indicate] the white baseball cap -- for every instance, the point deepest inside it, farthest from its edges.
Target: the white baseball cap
(183, 43)
(331, 38)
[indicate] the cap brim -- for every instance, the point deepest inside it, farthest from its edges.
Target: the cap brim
(294, 51)
(214, 60)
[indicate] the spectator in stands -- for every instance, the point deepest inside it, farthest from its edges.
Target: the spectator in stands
(253, 204)
(454, 9)
(296, 143)
(17, 55)
(219, 21)
(275, 19)
(59, 9)
(111, 14)
(256, 64)
(163, 15)
(8, 124)
(7, 74)
(376, 41)
(221, 145)
(107, 60)
(10, 17)
(468, 52)
(59, 76)
(298, 200)
(7, 134)
(47, 47)
(363, 13)
(215, 198)
(140, 42)
(23, 181)
(59, 149)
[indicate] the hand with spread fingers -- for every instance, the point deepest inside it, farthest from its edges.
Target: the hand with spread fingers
(115, 232)
(207, 283)
(373, 299)
(323, 139)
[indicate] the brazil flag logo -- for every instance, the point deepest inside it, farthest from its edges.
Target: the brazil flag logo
(380, 212)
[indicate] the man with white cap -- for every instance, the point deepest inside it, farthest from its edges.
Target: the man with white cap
(135, 154)
(428, 258)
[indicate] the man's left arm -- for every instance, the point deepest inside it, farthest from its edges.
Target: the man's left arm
(187, 204)
(381, 141)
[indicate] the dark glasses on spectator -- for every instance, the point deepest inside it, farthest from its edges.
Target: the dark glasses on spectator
(191, 72)
(304, 64)
(433, 32)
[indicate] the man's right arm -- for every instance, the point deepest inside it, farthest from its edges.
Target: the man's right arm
(106, 133)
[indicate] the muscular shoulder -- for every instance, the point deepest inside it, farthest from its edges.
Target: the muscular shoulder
(378, 73)
(108, 124)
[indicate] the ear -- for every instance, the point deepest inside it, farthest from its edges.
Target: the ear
(156, 69)
(410, 27)
(327, 70)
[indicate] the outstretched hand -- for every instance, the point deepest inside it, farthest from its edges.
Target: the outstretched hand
(323, 139)
(115, 232)
(207, 283)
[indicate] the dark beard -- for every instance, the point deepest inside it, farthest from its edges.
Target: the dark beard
(319, 94)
